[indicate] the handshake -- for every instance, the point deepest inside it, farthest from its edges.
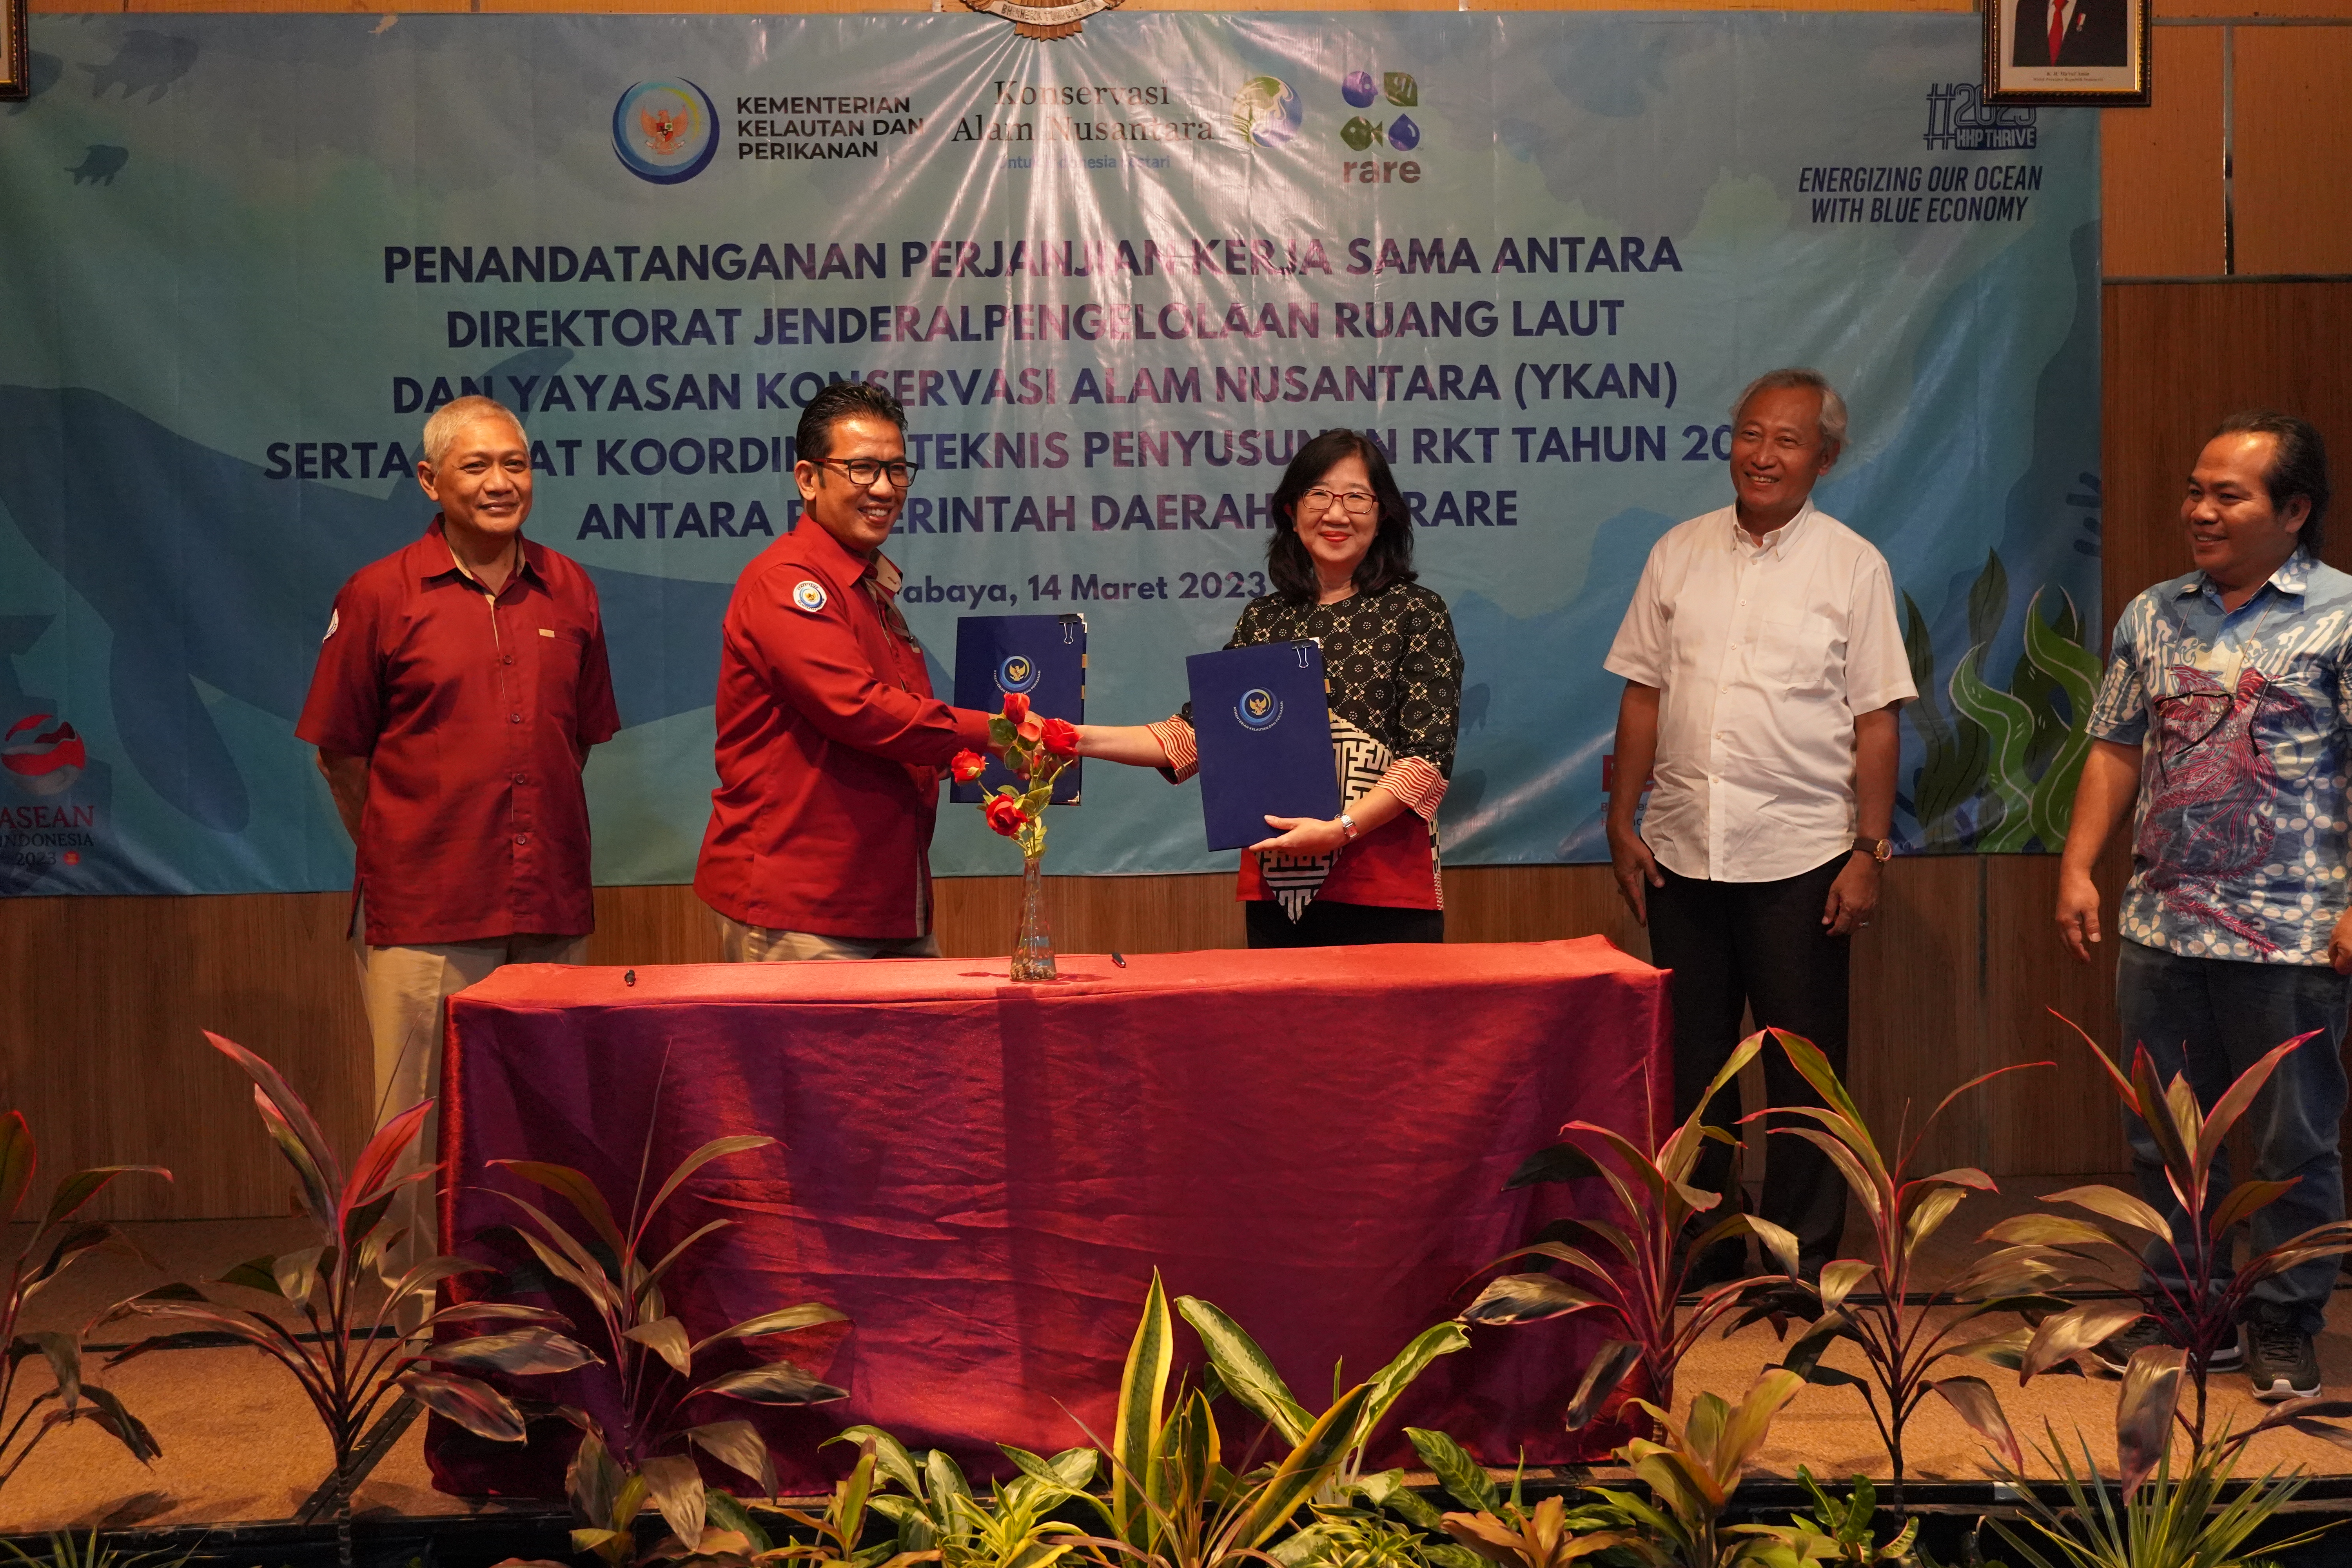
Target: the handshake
(1035, 750)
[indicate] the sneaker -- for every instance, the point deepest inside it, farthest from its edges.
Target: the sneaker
(2115, 1352)
(2280, 1362)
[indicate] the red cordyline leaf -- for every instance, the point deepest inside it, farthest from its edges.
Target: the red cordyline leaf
(380, 1157)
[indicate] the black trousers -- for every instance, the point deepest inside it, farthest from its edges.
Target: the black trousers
(1760, 946)
(1328, 925)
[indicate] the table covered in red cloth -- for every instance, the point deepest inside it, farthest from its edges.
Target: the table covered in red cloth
(984, 1175)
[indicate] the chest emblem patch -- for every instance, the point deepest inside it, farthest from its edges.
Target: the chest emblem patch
(809, 594)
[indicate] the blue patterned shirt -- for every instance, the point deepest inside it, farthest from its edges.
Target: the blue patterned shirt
(2239, 846)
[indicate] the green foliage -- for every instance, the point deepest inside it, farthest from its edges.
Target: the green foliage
(2167, 1523)
(346, 1356)
(1845, 1531)
(2017, 753)
(1903, 1331)
(1173, 1503)
(648, 1458)
(1630, 1267)
(1249, 1376)
(935, 1510)
(92, 1552)
(2104, 1250)
(51, 1246)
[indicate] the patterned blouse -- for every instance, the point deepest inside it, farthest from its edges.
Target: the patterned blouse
(1395, 673)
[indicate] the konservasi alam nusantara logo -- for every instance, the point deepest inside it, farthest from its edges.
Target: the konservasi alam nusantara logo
(666, 131)
(1266, 111)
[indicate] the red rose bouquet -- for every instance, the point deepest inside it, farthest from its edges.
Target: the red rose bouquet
(1036, 749)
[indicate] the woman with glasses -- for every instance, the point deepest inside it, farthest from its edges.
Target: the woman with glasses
(1342, 571)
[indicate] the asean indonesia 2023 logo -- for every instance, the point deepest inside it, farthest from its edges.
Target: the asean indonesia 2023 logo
(666, 131)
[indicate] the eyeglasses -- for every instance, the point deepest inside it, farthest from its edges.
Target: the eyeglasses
(1355, 503)
(864, 472)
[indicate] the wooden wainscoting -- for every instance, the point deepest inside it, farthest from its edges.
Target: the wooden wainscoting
(101, 1046)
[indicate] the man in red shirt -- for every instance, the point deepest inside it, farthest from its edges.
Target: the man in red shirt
(830, 743)
(461, 684)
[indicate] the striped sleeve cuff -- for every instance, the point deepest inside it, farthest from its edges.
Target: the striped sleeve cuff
(1417, 783)
(1175, 738)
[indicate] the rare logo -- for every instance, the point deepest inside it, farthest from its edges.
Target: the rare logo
(666, 131)
(1401, 89)
(42, 754)
(1266, 111)
(1258, 709)
(1019, 673)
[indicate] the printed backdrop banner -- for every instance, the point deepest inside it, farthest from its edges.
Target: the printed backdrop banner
(1117, 280)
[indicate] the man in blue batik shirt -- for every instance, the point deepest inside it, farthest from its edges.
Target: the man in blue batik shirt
(2225, 714)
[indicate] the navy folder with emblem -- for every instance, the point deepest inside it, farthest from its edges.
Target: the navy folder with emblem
(1262, 723)
(1041, 658)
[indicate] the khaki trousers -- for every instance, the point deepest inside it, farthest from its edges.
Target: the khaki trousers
(402, 989)
(757, 944)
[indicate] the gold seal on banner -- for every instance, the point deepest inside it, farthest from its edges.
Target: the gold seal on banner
(1044, 21)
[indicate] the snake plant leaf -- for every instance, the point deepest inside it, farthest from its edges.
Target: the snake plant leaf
(1307, 1466)
(1135, 1436)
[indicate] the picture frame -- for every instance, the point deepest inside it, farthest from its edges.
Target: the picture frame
(16, 56)
(2092, 52)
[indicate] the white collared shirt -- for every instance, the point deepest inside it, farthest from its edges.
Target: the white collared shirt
(1763, 655)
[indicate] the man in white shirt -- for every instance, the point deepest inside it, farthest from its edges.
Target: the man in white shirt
(1763, 665)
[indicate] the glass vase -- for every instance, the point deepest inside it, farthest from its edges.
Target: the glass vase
(1033, 938)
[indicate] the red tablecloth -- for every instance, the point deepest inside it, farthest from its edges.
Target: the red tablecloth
(984, 1175)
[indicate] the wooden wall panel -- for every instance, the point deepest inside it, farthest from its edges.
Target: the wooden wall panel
(2160, 167)
(2291, 142)
(2180, 356)
(101, 1043)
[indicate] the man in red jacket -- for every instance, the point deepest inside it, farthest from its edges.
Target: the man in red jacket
(830, 743)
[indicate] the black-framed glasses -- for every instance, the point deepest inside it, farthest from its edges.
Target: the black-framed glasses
(864, 472)
(1355, 503)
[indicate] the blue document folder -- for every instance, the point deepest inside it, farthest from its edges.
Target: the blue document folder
(1041, 658)
(1263, 722)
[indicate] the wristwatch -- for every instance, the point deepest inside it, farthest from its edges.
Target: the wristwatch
(1348, 827)
(1879, 849)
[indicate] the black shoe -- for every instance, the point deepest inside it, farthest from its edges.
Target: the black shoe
(2280, 1361)
(2118, 1350)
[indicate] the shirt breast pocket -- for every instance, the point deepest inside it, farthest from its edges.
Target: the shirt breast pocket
(562, 650)
(1792, 648)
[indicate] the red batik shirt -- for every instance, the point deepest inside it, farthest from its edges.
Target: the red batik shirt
(475, 714)
(830, 747)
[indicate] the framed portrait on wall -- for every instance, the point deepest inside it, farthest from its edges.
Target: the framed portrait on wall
(2066, 51)
(15, 73)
